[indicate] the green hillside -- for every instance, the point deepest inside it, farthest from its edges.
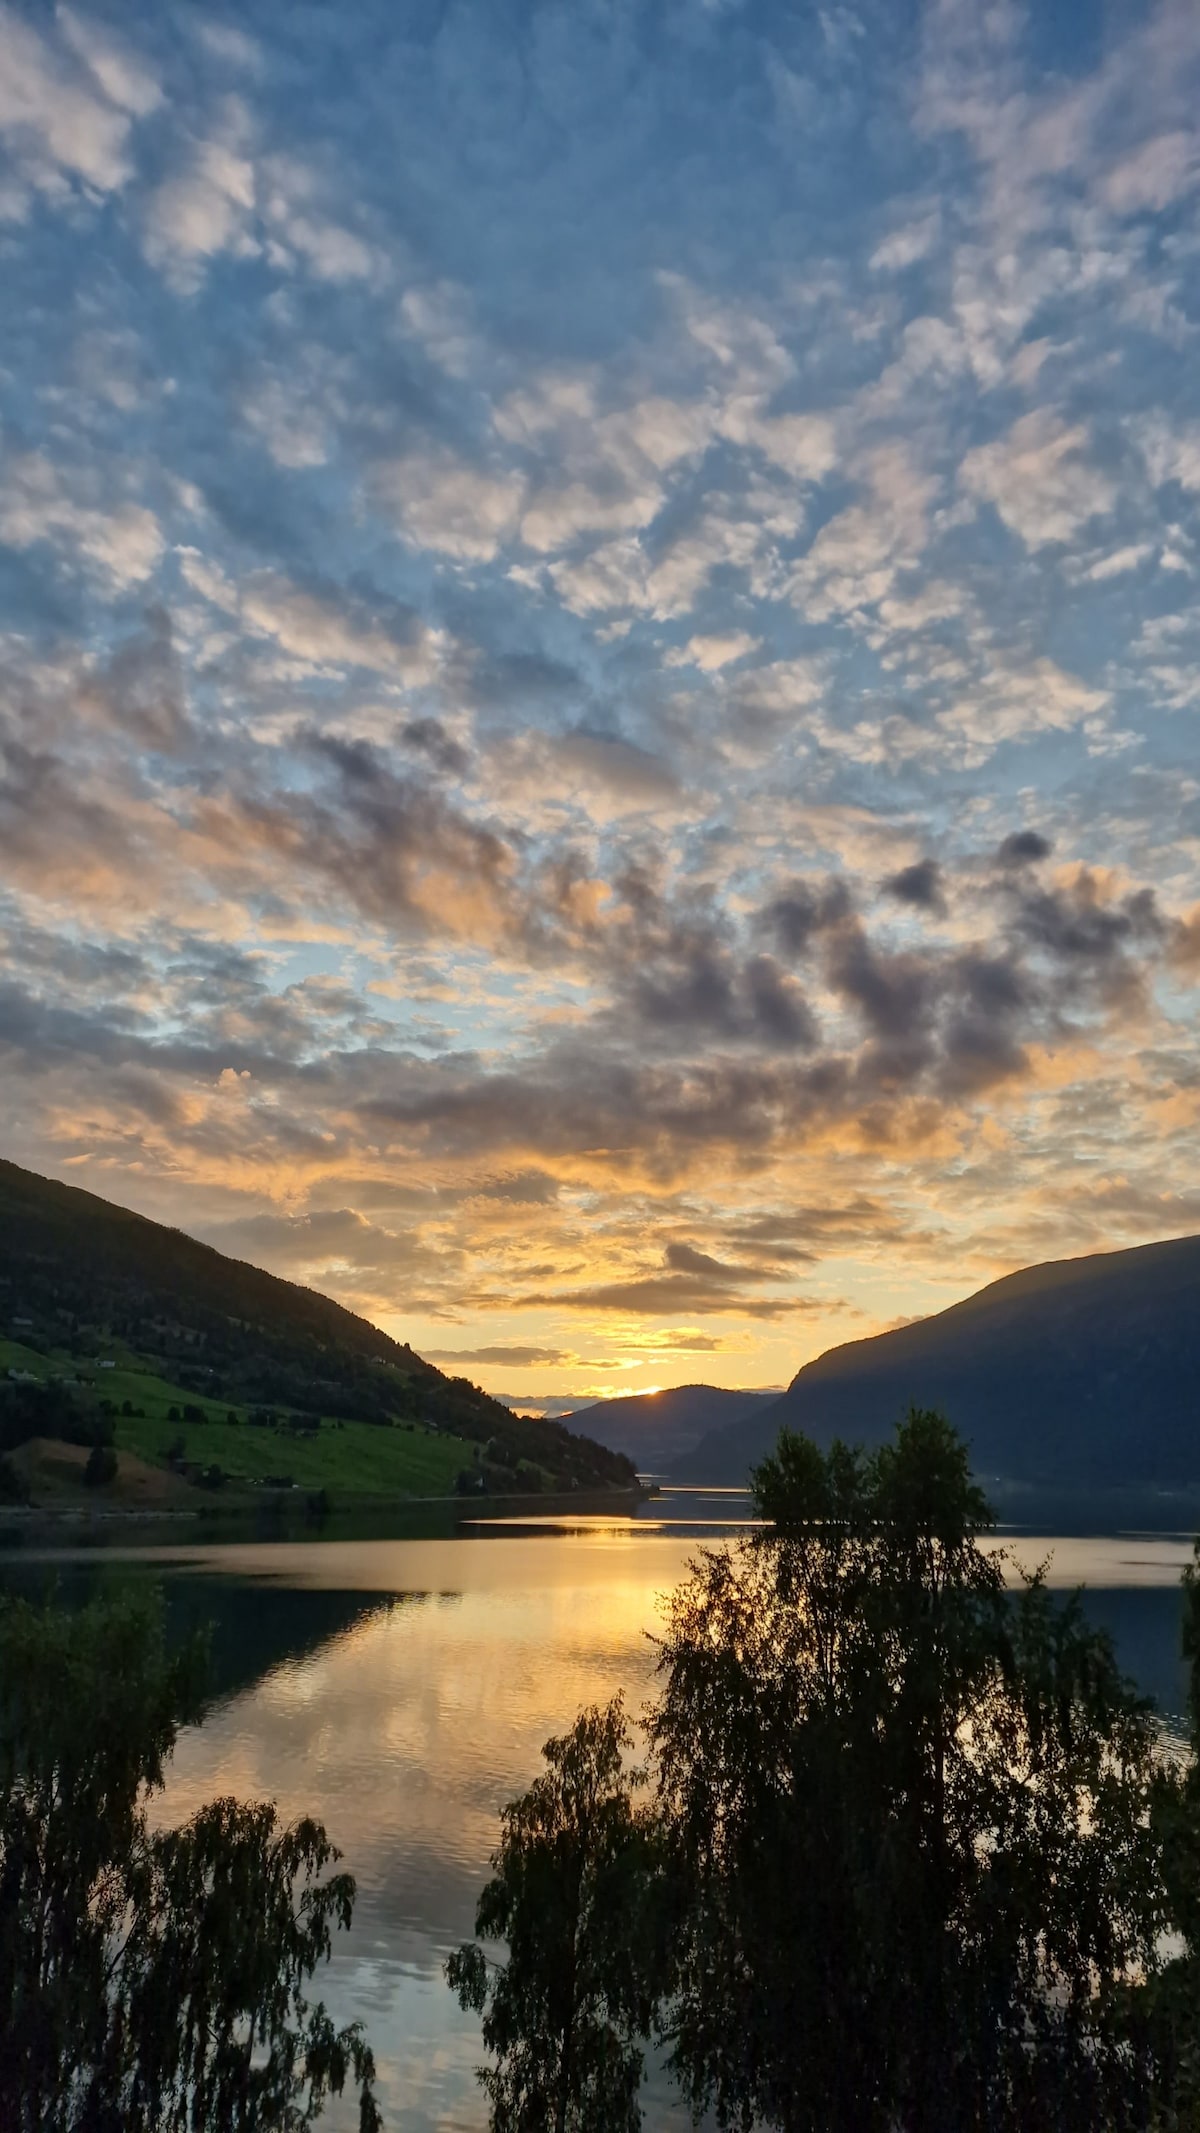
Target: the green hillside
(115, 1328)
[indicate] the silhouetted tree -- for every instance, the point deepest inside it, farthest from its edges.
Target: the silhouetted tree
(1166, 2015)
(150, 1981)
(572, 1893)
(100, 1468)
(908, 1817)
(14, 1485)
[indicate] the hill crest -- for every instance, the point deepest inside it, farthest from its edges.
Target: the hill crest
(78, 1269)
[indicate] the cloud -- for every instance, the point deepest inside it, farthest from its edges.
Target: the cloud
(595, 469)
(621, 764)
(920, 885)
(905, 246)
(1154, 175)
(856, 556)
(121, 542)
(1171, 451)
(510, 1354)
(802, 910)
(1185, 942)
(688, 1281)
(1121, 560)
(1039, 480)
(1009, 702)
(139, 689)
(298, 226)
(204, 207)
(440, 502)
(710, 654)
(310, 627)
(293, 427)
(68, 118)
(621, 782)
(1094, 933)
(123, 74)
(1023, 848)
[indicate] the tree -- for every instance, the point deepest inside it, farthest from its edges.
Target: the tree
(906, 1815)
(566, 2015)
(1166, 2014)
(14, 1485)
(100, 1469)
(150, 1981)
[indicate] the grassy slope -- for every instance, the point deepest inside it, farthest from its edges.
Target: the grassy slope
(347, 1458)
(195, 1326)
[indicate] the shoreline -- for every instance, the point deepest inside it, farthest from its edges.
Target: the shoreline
(288, 1516)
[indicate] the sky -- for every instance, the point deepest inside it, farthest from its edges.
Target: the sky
(598, 616)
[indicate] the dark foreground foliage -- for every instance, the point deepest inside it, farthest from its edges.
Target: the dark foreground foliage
(910, 1858)
(151, 1981)
(573, 1897)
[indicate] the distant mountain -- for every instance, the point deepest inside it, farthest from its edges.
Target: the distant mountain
(655, 1429)
(77, 1272)
(1079, 1376)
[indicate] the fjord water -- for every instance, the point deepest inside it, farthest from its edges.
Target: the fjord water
(401, 1691)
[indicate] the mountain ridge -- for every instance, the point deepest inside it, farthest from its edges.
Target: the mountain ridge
(655, 1428)
(1081, 1371)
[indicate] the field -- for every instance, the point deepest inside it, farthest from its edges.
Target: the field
(345, 1457)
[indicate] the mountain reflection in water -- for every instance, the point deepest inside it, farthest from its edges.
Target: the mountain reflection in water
(401, 1690)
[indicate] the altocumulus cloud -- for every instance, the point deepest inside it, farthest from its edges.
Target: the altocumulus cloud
(556, 760)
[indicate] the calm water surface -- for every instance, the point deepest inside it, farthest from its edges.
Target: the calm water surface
(401, 1691)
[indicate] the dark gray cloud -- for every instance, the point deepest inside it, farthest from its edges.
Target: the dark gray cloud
(1022, 848)
(894, 993)
(429, 738)
(804, 909)
(695, 987)
(921, 886)
(1101, 948)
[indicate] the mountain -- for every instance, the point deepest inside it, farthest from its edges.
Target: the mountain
(655, 1429)
(81, 1277)
(1079, 1376)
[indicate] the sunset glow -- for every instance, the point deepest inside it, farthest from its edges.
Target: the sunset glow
(598, 730)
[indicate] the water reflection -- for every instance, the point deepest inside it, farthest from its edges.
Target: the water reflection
(401, 1690)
